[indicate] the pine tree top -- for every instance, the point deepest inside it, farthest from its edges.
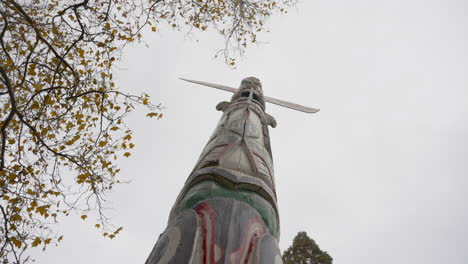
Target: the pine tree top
(304, 250)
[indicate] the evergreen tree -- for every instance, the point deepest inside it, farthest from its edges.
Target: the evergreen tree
(304, 250)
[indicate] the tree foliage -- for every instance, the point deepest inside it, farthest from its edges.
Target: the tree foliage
(62, 116)
(304, 250)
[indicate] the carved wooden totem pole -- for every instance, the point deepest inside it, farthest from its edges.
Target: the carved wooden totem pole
(227, 210)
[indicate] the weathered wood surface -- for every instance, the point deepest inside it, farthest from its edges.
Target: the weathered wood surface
(227, 210)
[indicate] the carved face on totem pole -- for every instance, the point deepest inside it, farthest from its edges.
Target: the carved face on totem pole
(250, 87)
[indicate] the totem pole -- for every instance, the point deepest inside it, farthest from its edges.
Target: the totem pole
(227, 210)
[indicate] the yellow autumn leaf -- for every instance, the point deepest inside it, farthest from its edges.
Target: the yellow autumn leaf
(127, 154)
(42, 210)
(152, 114)
(36, 242)
(55, 30)
(102, 143)
(81, 53)
(84, 217)
(15, 217)
(15, 200)
(37, 87)
(12, 176)
(16, 242)
(118, 230)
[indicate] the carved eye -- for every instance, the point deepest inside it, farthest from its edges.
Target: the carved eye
(245, 94)
(255, 97)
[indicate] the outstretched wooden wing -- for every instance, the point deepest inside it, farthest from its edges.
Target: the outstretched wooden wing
(275, 101)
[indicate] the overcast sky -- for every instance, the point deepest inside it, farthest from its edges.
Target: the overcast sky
(379, 175)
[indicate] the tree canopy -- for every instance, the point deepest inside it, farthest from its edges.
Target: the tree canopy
(304, 250)
(62, 116)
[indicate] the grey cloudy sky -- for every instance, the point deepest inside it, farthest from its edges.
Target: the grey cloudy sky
(378, 176)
